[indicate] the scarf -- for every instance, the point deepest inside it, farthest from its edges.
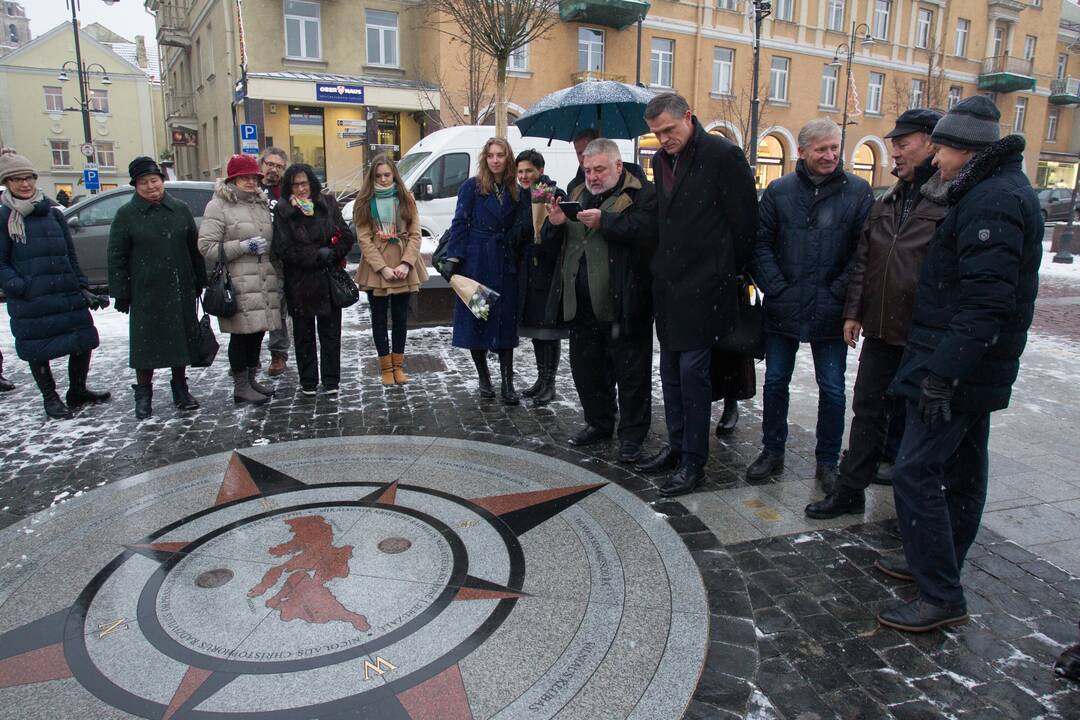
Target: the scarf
(19, 209)
(305, 206)
(385, 221)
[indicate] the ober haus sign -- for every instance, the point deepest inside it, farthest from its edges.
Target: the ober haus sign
(329, 92)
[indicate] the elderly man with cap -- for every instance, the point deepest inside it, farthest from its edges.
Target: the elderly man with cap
(880, 296)
(155, 274)
(973, 307)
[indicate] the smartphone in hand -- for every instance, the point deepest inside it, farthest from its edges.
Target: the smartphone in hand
(570, 209)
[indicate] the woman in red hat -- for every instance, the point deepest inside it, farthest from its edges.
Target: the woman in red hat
(237, 223)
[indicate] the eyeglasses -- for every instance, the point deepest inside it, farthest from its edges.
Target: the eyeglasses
(274, 165)
(300, 184)
(23, 179)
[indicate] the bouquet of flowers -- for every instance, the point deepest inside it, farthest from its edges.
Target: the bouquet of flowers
(543, 193)
(476, 297)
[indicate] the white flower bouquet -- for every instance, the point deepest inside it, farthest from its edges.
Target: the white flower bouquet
(478, 298)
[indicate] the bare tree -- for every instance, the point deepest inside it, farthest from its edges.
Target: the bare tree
(935, 65)
(899, 97)
(478, 71)
(497, 29)
(736, 109)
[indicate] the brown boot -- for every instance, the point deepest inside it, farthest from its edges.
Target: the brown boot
(386, 370)
(277, 366)
(397, 360)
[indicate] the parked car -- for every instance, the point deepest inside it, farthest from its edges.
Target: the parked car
(1056, 203)
(90, 220)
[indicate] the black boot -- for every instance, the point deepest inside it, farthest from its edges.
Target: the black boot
(841, 501)
(1068, 665)
(78, 394)
(551, 367)
(729, 419)
(766, 466)
(540, 350)
(54, 406)
(144, 395)
(483, 375)
(667, 459)
(684, 481)
(5, 384)
(181, 396)
(506, 372)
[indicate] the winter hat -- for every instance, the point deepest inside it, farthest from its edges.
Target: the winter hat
(915, 120)
(240, 165)
(143, 165)
(12, 164)
(972, 124)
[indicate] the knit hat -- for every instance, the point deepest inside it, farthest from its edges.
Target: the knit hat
(240, 165)
(143, 165)
(972, 124)
(13, 164)
(915, 120)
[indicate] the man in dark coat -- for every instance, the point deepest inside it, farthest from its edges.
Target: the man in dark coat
(880, 296)
(602, 291)
(707, 219)
(809, 224)
(156, 273)
(272, 164)
(973, 308)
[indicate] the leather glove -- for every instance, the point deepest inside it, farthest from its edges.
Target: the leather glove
(257, 245)
(450, 265)
(123, 305)
(935, 402)
(325, 256)
(95, 302)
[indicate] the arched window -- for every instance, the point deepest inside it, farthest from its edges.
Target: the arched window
(770, 158)
(723, 132)
(864, 163)
(13, 33)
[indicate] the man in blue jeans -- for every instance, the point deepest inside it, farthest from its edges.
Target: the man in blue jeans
(808, 225)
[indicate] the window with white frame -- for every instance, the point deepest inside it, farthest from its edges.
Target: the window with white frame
(956, 94)
(835, 19)
(518, 60)
(61, 152)
(99, 100)
(963, 29)
(784, 9)
(382, 37)
(1051, 126)
(1030, 42)
(303, 30)
(828, 86)
(590, 49)
(999, 41)
(727, 4)
(922, 28)
(918, 92)
(723, 68)
(1021, 115)
(662, 61)
(778, 79)
(54, 99)
(105, 153)
(881, 19)
(874, 93)
(1062, 65)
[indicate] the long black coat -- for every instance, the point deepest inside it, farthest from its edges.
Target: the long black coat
(297, 240)
(805, 250)
(707, 224)
(42, 280)
(977, 290)
(536, 272)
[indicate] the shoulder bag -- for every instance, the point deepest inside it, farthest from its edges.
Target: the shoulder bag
(206, 344)
(219, 298)
(748, 337)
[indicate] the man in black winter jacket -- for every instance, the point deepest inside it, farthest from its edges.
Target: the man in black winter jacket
(973, 307)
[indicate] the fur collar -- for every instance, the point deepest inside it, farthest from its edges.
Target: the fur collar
(228, 192)
(984, 164)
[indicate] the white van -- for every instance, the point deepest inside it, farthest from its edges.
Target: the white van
(434, 168)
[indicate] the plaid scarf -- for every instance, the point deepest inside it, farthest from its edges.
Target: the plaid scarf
(19, 209)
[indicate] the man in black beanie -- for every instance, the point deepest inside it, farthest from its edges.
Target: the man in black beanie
(973, 307)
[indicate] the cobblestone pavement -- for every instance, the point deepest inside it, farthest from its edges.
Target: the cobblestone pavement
(792, 600)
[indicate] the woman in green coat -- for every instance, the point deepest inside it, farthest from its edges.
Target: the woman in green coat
(156, 273)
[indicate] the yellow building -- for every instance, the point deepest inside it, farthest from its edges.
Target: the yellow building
(37, 120)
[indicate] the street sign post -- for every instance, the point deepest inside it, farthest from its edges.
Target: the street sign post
(91, 179)
(87, 149)
(249, 139)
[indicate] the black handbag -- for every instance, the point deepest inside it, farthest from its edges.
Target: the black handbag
(748, 337)
(219, 298)
(206, 344)
(343, 291)
(438, 258)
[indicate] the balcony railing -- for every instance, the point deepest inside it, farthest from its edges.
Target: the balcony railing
(617, 14)
(179, 106)
(1065, 91)
(592, 75)
(1004, 73)
(173, 23)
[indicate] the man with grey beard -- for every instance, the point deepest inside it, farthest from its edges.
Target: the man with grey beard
(603, 292)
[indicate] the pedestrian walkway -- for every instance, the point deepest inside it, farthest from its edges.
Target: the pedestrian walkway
(608, 590)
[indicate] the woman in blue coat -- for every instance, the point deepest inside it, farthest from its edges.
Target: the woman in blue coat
(492, 219)
(47, 296)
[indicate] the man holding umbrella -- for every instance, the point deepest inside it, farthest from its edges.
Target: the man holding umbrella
(707, 225)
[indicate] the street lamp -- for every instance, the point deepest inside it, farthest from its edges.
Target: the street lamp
(848, 49)
(762, 9)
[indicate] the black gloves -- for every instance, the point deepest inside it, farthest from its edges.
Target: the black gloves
(95, 302)
(450, 267)
(325, 256)
(123, 305)
(935, 403)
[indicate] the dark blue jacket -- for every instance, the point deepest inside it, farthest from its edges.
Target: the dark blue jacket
(976, 295)
(486, 236)
(805, 249)
(43, 283)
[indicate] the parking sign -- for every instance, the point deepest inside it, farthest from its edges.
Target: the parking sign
(91, 179)
(249, 139)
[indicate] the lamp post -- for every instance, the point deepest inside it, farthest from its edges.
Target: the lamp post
(762, 9)
(849, 49)
(1064, 252)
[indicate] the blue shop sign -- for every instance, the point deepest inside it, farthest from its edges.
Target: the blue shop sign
(329, 92)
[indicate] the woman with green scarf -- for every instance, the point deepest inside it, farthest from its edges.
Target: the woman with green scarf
(387, 227)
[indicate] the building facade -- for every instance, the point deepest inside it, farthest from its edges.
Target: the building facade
(14, 26)
(341, 79)
(46, 124)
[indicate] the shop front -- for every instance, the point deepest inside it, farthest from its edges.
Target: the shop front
(1056, 170)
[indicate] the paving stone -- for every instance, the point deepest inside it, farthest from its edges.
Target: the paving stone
(1012, 700)
(909, 662)
(887, 685)
(854, 704)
